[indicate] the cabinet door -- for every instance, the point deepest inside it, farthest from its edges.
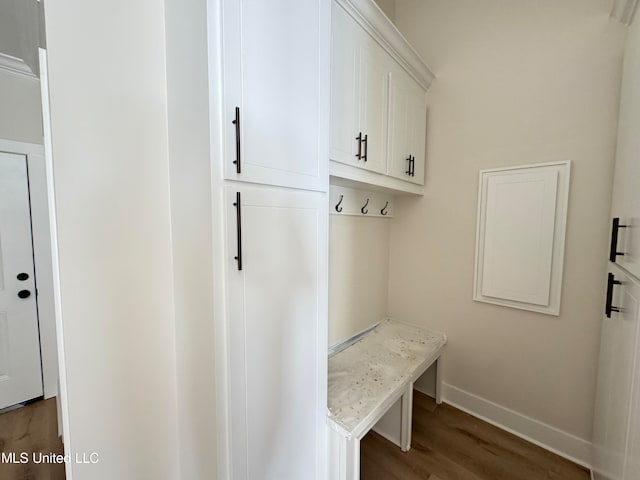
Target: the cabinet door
(345, 75)
(374, 95)
(615, 380)
(407, 127)
(632, 465)
(626, 194)
(277, 333)
(274, 75)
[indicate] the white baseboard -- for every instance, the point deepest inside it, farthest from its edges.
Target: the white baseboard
(550, 438)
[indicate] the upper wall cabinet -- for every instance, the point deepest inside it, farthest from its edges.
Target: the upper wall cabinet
(378, 100)
(273, 79)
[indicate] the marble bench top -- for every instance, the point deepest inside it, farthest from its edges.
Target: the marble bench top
(366, 375)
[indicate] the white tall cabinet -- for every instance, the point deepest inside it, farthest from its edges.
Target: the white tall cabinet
(269, 81)
(617, 411)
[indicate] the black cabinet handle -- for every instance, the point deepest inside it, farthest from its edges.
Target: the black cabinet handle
(238, 205)
(359, 139)
(365, 140)
(412, 166)
(608, 308)
(24, 294)
(236, 122)
(613, 251)
(22, 276)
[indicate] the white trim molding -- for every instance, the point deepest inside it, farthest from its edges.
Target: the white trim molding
(569, 446)
(373, 20)
(15, 65)
(624, 10)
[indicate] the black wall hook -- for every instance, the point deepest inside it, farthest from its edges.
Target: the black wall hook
(384, 209)
(365, 206)
(338, 207)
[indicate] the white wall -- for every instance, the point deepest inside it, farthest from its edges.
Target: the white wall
(518, 82)
(191, 230)
(20, 31)
(21, 112)
(358, 274)
(388, 7)
(111, 168)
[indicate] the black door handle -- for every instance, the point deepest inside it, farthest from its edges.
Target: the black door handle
(236, 122)
(613, 251)
(24, 294)
(608, 308)
(238, 206)
(408, 172)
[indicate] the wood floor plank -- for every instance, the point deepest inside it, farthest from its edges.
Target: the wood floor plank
(449, 444)
(31, 429)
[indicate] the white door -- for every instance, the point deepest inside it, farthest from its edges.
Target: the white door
(615, 379)
(277, 332)
(407, 128)
(20, 368)
(274, 77)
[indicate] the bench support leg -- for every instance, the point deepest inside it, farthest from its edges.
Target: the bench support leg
(344, 457)
(407, 415)
(439, 380)
(353, 459)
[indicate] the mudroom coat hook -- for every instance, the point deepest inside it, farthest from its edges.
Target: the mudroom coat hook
(364, 207)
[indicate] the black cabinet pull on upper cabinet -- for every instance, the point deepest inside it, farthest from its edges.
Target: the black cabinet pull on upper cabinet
(238, 205)
(412, 166)
(608, 308)
(236, 122)
(613, 252)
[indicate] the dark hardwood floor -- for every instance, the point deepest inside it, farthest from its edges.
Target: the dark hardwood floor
(448, 444)
(32, 428)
